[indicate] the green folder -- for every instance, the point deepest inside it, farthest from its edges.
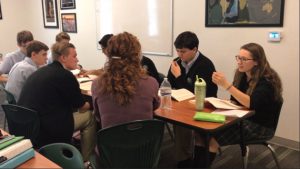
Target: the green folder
(10, 142)
(202, 116)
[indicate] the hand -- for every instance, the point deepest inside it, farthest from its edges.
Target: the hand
(219, 79)
(175, 69)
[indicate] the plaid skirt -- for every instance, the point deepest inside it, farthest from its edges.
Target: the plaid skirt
(252, 131)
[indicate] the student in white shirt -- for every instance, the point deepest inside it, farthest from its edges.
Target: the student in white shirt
(36, 56)
(23, 38)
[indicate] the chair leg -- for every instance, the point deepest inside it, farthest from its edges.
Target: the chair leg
(274, 155)
(170, 132)
(245, 158)
(4, 123)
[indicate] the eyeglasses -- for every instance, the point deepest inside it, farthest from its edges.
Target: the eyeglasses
(242, 58)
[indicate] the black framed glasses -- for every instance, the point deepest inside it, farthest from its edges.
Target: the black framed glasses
(242, 58)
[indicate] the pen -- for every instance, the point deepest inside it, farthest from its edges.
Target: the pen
(175, 60)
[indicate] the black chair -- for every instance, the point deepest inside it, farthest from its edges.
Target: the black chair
(10, 100)
(263, 142)
(22, 121)
(131, 145)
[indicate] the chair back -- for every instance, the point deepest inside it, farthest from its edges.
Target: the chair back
(277, 115)
(22, 121)
(65, 155)
(131, 145)
(9, 96)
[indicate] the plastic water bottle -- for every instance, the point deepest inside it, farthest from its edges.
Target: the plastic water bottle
(200, 93)
(165, 94)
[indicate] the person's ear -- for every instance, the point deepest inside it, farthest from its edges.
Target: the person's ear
(195, 49)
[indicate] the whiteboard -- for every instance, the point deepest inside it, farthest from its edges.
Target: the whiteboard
(150, 20)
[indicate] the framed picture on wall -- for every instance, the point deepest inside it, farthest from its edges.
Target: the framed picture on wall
(244, 13)
(50, 13)
(68, 21)
(67, 4)
(0, 11)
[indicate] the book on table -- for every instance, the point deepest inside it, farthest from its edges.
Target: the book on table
(225, 107)
(10, 141)
(16, 148)
(18, 159)
(6, 138)
(182, 94)
(222, 104)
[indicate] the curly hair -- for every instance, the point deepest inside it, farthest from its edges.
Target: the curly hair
(263, 69)
(123, 70)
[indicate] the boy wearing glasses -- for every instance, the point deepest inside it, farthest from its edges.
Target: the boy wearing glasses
(23, 38)
(182, 74)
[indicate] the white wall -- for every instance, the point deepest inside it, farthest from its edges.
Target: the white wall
(219, 44)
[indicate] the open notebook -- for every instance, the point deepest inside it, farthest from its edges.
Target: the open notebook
(182, 94)
(222, 104)
(225, 107)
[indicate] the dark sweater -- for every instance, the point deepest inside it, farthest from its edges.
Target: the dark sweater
(54, 93)
(262, 100)
(203, 67)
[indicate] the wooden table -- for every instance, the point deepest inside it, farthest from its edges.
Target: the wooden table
(182, 114)
(38, 161)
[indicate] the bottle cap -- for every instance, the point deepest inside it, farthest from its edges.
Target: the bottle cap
(200, 81)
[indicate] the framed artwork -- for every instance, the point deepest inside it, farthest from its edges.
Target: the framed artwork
(50, 13)
(244, 13)
(67, 4)
(0, 11)
(68, 21)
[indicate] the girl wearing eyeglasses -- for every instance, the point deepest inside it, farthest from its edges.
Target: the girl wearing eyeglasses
(255, 86)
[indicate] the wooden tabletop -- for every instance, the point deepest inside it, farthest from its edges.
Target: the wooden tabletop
(182, 114)
(38, 161)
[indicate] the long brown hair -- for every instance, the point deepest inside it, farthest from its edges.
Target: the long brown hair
(122, 71)
(262, 69)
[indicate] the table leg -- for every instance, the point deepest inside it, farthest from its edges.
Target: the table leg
(243, 145)
(206, 145)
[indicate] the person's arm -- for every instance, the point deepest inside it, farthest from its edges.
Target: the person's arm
(6, 65)
(219, 79)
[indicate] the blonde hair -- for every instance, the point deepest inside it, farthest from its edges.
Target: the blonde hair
(60, 48)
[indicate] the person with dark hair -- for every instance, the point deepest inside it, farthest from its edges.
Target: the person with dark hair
(36, 57)
(23, 39)
(146, 62)
(103, 42)
(53, 91)
(182, 74)
(124, 92)
(255, 86)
